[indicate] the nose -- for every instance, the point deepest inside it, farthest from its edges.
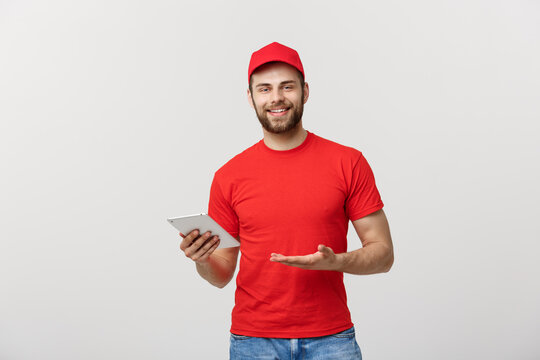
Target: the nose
(277, 96)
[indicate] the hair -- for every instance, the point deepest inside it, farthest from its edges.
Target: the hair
(300, 77)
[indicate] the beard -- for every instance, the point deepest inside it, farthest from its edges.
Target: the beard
(284, 123)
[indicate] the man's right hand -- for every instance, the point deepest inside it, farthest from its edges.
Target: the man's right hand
(199, 247)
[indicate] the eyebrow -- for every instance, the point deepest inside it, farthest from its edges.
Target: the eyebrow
(281, 83)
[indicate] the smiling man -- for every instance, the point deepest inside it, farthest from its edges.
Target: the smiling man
(288, 199)
(282, 115)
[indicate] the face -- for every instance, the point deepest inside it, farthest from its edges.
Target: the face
(278, 96)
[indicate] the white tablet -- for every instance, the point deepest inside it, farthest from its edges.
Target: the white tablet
(204, 223)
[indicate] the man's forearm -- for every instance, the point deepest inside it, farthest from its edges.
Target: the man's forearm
(216, 270)
(373, 259)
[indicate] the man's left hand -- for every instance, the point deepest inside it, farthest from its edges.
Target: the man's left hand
(323, 259)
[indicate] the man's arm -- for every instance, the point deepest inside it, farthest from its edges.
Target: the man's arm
(216, 266)
(375, 256)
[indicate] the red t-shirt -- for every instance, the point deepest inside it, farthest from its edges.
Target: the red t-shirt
(289, 202)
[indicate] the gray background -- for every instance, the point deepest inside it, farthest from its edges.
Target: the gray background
(115, 114)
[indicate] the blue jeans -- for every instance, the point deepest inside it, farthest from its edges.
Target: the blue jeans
(340, 346)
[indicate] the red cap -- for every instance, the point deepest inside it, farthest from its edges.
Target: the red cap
(275, 52)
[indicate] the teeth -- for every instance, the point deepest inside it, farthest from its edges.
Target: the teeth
(280, 110)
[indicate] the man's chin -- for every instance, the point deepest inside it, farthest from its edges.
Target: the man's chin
(280, 129)
(280, 125)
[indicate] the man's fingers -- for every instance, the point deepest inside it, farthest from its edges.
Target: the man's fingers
(291, 260)
(206, 250)
(279, 257)
(195, 245)
(321, 260)
(325, 250)
(205, 247)
(188, 239)
(274, 256)
(295, 261)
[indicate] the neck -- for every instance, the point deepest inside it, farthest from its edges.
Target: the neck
(285, 141)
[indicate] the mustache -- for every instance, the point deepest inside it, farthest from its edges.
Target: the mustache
(284, 104)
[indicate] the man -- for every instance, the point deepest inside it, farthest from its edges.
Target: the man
(288, 200)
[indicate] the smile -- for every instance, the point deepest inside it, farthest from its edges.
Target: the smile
(278, 112)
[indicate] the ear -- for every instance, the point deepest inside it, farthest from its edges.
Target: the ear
(250, 99)
(306, 92)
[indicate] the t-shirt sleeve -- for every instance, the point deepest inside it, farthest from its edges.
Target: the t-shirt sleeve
(363, 196)
(220, 208)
